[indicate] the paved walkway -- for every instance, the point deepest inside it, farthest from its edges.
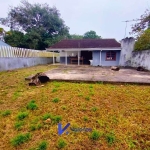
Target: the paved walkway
(94, 74)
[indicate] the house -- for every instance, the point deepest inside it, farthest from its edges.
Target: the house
(100, 52)
(3, 43)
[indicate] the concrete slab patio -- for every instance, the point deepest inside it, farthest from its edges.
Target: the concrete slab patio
(94, 74)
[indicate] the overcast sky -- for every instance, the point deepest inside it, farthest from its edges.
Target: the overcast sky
(103, 16)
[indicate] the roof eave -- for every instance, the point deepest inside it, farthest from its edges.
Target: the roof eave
(83, 49)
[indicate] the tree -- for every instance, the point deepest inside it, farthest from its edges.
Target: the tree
(143, 42)
(15, 39)
(91, 35)
(144, 23)
(37, 20)
(75, 36)
(2, 34)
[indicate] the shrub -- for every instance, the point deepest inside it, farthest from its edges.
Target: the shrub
(143, 42)
(85, 118)
(22, 115)
(6, 113)
(95, 135)
(20, 139)
(32, 105)
(61, 143)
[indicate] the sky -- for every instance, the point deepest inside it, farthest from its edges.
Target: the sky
(105, 17)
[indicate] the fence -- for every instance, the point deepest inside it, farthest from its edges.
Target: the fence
(12, 57)
(6, 51)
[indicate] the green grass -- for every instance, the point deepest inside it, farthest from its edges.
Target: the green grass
(32, 105)
(95, 135)
(18, 125)
(61, 143)
(42, 146)
(22, 115)
(20, 139)
(55, 100)
(121, 109)
(6, 113)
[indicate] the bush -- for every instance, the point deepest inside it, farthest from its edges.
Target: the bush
(143, 42)
(20, 139)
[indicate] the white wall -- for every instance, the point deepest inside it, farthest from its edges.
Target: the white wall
(127, 46)
(10, 63)
(141, 58)
(132, 58)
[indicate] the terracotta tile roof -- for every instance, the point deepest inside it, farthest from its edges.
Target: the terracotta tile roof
(87, 43)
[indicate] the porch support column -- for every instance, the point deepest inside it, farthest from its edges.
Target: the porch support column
(78, 58)
(100, 58)
(53, 58)
(66, 58)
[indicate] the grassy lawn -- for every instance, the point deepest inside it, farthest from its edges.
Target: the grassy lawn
(117, 114)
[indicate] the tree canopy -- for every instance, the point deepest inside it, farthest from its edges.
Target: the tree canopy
(142, 24)
(39, 21)
(143, 42)
(91, 35)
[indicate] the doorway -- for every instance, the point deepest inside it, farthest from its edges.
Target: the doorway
(87, 55)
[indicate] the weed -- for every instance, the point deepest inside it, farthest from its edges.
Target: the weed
(18, 125)
(110, 137)
(64, 107)
(80, 95)
(94, 109)
(56, 119)
(32, 105)
(32, 127)
(90, 86)
(39, 126)
(46, 116)
(61, 143)
(55, 100)
(85, 118)
(87, 98)
(6, 113)
(95, 135)
(20, 139)
(42, 146)
(22, 115)
(54, 90)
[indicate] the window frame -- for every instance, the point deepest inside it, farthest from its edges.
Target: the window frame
(110, 53)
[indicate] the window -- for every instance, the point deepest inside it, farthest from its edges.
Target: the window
(111, 56)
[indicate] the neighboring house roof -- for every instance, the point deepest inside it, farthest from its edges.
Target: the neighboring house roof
(86, 43)
(3, 43)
